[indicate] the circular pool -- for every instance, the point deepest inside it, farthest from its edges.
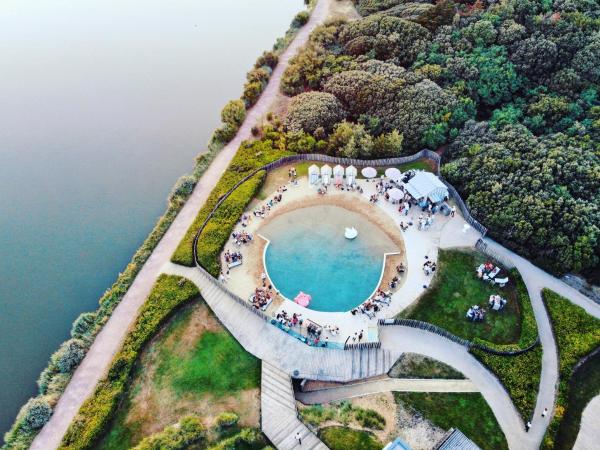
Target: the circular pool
(307, 252)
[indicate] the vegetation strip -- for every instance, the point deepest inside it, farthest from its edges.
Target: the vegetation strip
(168, 294)
(577, 335)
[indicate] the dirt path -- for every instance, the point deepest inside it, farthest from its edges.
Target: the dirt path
(109, 340)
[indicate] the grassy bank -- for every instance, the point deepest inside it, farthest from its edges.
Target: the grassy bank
(343, 438)
(468, 412)
(577, 334)
(193, 366)
(168, 293)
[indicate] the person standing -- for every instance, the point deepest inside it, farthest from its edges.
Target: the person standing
(527, 426)
(453, 211)
(263, 277)
(299, 438)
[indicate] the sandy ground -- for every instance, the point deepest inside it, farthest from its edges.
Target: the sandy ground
(400, 421)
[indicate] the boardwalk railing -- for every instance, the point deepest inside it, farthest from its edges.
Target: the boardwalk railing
(446, 334)
(362, 345)
(484, 248)
(423, 154)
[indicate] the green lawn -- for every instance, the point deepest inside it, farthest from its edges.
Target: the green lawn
(413, 365)
(468, 412)
(456, 288)
(219, 365)
(212, 369)
(343, 438)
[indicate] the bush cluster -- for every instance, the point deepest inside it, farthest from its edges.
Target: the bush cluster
(576, 334)
(168, 293)
(528, 70)
(247, 438)
(188, 431)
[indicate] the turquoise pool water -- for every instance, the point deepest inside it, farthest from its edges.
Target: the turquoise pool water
(308, 252)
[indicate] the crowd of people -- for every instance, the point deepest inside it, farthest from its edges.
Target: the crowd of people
(241, 237)
(429, 267)
(373, 305)
(295, 320)
(496, 302)
(262, 298)
(233, 257)
(476, 314)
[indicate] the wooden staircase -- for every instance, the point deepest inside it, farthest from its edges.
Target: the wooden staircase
(279, 417)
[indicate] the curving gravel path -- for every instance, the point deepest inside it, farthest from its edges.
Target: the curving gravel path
(109, 340)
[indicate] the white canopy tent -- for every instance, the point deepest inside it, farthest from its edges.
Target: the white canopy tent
(338, 174)
(351, 173)
(395, 194)
(369, 172)
(425, 185)
(393, 174)
(325, 174)
(313, 174)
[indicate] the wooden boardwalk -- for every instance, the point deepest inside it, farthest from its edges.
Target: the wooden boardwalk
(278, 413)
(278, 348)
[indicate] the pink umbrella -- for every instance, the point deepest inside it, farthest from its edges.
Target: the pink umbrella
(303, 299)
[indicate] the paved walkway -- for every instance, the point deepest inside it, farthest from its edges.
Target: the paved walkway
(536, 279)
(589, 431)
(109, 340)
(385, 385)
(278, 413)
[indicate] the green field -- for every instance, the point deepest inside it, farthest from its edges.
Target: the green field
(456, 288)
(468, 412)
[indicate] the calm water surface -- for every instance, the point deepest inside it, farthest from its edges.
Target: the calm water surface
(103, 105)
(308, 252)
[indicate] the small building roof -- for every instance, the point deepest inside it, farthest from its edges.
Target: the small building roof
(427, 185)
(326, 170)
(313, 169)
(397, 444)
(456, 440)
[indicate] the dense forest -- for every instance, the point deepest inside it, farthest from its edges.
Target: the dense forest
(506, 91)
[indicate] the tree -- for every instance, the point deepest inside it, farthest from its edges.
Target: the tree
(388, 144)
(86, 321)
(351, 141)
(300, 142)
(311, 110)
(234, 113)
(35, 414)
(534, 57)
(69, 355)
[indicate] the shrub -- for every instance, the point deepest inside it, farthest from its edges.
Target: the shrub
(301, 19)
(369, 418)
(187, 432)
(69, 355)
(311, 110)
(183, 187)
(247, 438)
(96, 412)
(227, 419)
(234, 113)
(252, 91)
(32, 416)
(225, 133)
(84, 325)
(269, 59)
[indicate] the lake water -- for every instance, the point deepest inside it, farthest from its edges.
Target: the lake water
(103, 105)
(308, 252)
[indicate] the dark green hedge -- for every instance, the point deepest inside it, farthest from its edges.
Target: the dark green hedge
(577, 334)
(248, 158)
(168, 293)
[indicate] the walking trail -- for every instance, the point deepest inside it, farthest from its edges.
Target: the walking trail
(109, 340)
(385, 385)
